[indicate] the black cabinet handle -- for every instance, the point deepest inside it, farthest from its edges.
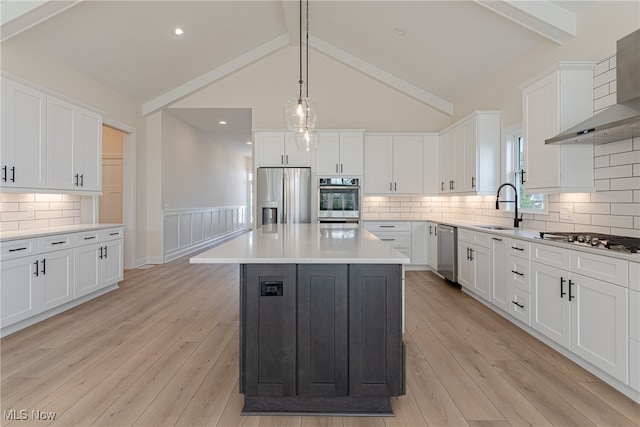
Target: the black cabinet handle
(341, 168)
(570, 295)
(441, 185)
(395, 186)
(519, 305)
(522, 180)
(562, 292)
(282, 159)
(59, 243)
(44, 266)
(100, 256)
(496, 239)
(473, 182)
(89, 238)
(4, 174)
(336, 168)
(471, 251)
(75, 180)
(390, 186)
(517, 248)
(114, 234)
(13, 174)
(387, 226)
(287, 158)
(81, 180)
(17, 249)
(37, 272)
(105, 251)
(516, 272)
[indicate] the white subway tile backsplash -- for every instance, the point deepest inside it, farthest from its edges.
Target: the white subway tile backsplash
(601, 91)
(17, 197)
(625, 209)
(625, 183)
(48, 197)
(601, 161)
(57, 222)
(8, 207)
(612, 196)
(625, 158)
(613, 147)
(22, 210)
(614, 172)
(604, 78)
(602, 185)
(612, 62)
(592, 208)
(48, 214)
(620, 221)
(601, 68)
(605, 101)
(39, 223)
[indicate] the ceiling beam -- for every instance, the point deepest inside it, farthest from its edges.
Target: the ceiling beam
(381, 75)
(215, 74)
(292, 20)
(541, 16)
(17, 16)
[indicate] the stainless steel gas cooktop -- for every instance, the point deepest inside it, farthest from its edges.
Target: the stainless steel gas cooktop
(595, 240)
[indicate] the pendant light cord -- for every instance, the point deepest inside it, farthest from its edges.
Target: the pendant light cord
(300, 82)
(307, 47)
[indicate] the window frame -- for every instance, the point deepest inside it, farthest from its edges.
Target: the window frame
(515, 168)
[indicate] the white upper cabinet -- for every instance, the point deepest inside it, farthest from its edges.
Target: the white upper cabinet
(278, 149)
(393, 164)
(48, 143)
(23, 144)
(340, 153)
(431, 165)
(470, 155)
(74, 135)
(555, 100)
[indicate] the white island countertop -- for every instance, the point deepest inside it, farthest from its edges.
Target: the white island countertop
(304, 244)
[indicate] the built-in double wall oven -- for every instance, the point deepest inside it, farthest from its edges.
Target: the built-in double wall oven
(339, 200)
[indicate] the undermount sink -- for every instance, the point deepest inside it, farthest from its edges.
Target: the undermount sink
(494, 227)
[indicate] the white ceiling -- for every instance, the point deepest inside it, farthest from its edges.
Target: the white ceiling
(448, 47)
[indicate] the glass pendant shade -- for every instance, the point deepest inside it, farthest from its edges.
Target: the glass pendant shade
(300, 114)
(307, 140)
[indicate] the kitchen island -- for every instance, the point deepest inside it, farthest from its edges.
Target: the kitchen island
(320, 319)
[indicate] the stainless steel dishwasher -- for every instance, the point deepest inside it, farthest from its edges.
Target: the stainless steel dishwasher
(448, 252)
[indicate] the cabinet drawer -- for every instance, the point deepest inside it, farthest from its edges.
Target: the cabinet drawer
(519, 248)
(111, 234)
(87, 237)
(55, 242)
(18, 248)
(551, 255)
(605, 268)
(518, 273)
(634, 315)
(375, 226)
(634, 276)
(480, 239)
(519, 306)
(395, 239)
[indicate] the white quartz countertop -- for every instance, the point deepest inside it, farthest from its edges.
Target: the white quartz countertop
(47, 231)
(304, 244)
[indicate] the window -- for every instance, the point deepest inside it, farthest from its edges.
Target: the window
(527, 202)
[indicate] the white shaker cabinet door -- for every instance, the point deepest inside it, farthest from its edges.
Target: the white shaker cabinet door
(378, 173)
(112, 262)
(18, 290)
(56, 273)
(550, 308)
(87, 269)
(23, 136)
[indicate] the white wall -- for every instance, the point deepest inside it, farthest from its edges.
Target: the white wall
(197, 171)
(346, 98)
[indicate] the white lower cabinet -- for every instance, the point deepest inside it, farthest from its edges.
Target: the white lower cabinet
(40, 274)
(599, 324)
(432, 251)
(396, 233)
(18, 290)
(419, 243)
(634, 339)
(56, 274)
(98, 264)
(587, 315)
(474, 264)
(499, 284)
(520, 305)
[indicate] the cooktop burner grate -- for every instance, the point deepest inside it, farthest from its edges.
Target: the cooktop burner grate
(596, 240)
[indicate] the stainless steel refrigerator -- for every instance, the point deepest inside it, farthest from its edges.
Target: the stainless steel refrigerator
(284, 195)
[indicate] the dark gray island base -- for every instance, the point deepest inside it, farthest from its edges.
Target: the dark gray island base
(321, 338)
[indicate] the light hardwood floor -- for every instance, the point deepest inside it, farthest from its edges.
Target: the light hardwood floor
(163, 350)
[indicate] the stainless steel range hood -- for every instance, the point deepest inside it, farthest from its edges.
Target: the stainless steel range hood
(620, 121)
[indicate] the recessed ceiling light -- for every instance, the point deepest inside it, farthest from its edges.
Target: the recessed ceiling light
(400, 31)
(222, 122)
(249, 143)
(178, 31)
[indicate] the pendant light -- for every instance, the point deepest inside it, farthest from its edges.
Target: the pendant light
(300, 112)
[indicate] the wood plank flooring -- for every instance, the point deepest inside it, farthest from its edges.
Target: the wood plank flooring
(163, 351)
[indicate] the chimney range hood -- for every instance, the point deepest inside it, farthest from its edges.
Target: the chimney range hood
(622, 120)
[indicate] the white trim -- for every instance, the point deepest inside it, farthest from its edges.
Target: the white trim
(381, 75)
(129, 191)
(541, 16)
(19, 16)
(214, 75)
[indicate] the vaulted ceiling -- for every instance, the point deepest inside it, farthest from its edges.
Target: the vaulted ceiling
(434, 51)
